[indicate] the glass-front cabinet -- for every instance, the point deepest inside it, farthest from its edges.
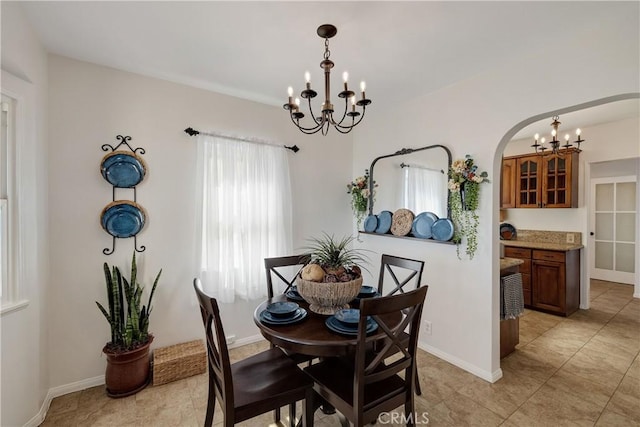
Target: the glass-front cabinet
(528, 185)
(544, 181)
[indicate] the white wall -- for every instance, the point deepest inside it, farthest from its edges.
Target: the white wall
(89, 106)
(472, 117)
(24, 354)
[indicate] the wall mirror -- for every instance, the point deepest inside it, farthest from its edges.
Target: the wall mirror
(412, 178)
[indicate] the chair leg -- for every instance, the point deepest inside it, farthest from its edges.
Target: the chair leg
(292, 414)
(276, 415)
(308, 408)
(418, 389)
(409, 411)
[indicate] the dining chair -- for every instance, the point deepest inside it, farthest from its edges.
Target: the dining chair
(391, 266)
(280, 270)
(410, 272)
(252, 386)
(276, 267)
(363, 387)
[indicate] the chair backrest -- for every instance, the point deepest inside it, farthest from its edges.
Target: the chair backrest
(369, 370)
(276, 267)
(217, 350)
(393, 265)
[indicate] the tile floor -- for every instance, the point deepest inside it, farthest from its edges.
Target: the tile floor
(580, 371)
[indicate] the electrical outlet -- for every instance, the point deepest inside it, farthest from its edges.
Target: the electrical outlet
(427, 327)
(230, 339)
(570, 238)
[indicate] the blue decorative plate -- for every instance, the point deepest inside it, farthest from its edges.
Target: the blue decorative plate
(269, 319)
(432, 216)
(348, 316)
(422, 225)
(367, 292)
(282, 309)
(293, 294)
(442, 229)
(123, 169)
(336, 326)
(122, 218)
(371, 223)
(384, 222)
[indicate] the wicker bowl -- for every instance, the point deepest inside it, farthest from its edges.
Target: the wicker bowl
(328, 298)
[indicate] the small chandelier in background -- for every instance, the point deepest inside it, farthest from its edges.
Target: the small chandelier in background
(326, 119)
(555, 143)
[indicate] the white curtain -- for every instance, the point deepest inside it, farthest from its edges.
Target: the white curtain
(424, 190)
(243, 214)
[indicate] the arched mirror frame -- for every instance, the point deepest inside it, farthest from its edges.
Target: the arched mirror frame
(404, 152)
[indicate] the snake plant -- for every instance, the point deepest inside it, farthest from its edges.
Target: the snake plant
(129, 321)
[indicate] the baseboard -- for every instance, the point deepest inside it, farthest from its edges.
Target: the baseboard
(246, 340)
(491, 377)
(59, 391)
(99, 380)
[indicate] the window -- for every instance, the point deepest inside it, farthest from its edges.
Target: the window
(424, 190)
(244, 214)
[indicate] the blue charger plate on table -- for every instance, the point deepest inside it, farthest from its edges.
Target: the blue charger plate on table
(442, 229)
(269, 319)
(384, 222)
(293, 294)
(336, 326)
(282, 309)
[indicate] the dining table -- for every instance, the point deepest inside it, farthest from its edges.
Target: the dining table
(311, 336)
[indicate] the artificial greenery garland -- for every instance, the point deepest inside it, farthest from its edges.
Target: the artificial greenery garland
(464, 183)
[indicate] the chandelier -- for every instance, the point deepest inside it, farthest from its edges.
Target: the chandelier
(350, 117)
(555, 143)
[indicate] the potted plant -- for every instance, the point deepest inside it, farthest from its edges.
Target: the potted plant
(464, 185)
(360, 193)
(128, 351)
(333, 277)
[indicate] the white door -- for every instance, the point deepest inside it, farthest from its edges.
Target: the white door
(613, 229)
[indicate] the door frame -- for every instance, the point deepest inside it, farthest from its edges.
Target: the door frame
(591, 219)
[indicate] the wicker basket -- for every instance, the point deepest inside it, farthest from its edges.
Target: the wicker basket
(179, 361)
(328, 298)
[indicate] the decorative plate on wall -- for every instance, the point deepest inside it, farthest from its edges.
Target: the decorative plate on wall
(384, 222)
(422, 224)
(123, 169)
(442, 229)
(123, 218)
(371, 223)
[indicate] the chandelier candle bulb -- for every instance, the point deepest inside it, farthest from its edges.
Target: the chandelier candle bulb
(290, 92)
(307, 79)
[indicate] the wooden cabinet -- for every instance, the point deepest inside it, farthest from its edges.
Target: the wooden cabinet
(525, 270)
(540, 181)
(508, 188)
(550, 279)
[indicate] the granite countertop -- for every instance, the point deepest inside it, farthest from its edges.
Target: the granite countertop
(542, 245)
(510, 262)
(546, 240)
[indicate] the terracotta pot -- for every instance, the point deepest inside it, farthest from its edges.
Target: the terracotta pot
(328, 298)
(127, 373)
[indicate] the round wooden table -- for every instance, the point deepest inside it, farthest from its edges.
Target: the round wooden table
(311, 336)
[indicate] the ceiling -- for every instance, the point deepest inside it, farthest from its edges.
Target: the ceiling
(255, 50)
